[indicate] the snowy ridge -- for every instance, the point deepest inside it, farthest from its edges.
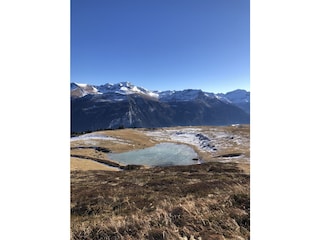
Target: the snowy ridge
(236, 96)
(122, 88)
(126, 88)
(82, 89)
(184, 95)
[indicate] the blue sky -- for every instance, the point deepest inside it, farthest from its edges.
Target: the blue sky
(162, 45)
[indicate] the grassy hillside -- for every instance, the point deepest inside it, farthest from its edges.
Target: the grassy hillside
(207, 201)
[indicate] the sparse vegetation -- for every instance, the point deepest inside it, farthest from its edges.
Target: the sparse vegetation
(205, 201)
(208, 201)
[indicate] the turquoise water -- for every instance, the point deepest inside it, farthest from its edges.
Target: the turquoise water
(163, 154)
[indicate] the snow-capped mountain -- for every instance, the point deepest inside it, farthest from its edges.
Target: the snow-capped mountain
(126, 88)
(240, 98)
(123, 88)
(184, 95)
(235, 96)
(80, 90)
(127, 105)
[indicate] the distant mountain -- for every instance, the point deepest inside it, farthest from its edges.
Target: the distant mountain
(80, 90)
(240, 98)
(180, 96)
(126, 105)
(122, 88)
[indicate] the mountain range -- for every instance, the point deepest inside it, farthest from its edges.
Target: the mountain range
(111, 106)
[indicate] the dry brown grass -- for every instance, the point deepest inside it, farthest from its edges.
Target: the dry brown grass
(80, 160)
(135, 138)
(86, 165)
(208, 201)
(130, 139)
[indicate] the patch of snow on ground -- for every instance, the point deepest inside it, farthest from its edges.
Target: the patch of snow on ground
(212, 141)
(91, 137)
(190, 136)
(233, 159)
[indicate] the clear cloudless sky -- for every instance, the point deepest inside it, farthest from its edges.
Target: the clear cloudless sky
(162, 44)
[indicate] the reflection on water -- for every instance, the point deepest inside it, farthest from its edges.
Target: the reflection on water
(163, 154)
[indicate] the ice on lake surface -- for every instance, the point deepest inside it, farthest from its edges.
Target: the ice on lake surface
(163, 154)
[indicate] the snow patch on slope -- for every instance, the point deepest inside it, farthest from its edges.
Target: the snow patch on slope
(191, 136)
(91, 138)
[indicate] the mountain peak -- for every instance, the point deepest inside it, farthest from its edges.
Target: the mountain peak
(125, 104)
(82, 89)
(126, 84)
(183, 95)
(127, 88)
